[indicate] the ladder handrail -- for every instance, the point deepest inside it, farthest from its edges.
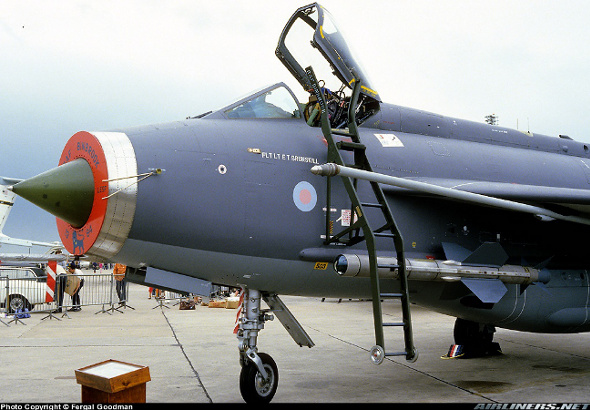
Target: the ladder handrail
(361, 160)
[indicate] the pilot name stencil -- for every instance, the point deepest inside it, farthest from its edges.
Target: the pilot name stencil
(288, 157)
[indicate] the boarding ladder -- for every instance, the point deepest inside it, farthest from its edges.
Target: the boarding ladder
(360, 229)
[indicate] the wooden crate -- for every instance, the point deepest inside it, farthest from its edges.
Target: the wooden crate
(113, 381)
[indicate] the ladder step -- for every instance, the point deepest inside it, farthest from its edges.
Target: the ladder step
(395, 354)
(387, 266)
(390, 324)
(371, 205)
(391, 295)
(350, 146)
(384, 235)
(342, 132)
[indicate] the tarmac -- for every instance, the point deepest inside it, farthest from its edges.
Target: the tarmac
(192, 357)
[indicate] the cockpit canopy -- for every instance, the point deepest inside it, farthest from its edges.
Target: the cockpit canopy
(275, 101)
(340, 75)
(294, 52)
(326, 38)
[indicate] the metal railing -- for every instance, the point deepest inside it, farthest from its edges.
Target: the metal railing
(24, 290)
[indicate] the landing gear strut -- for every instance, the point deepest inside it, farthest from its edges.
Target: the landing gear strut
(259, 376)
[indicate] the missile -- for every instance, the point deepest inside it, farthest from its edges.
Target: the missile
(353, 265)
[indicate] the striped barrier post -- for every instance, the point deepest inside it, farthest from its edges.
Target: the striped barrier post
(51, 271)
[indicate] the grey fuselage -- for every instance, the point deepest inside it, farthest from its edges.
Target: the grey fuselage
(227, 208)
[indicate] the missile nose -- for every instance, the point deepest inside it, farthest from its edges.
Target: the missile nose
(66, 191)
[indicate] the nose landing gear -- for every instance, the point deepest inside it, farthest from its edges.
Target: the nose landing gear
(259, 376)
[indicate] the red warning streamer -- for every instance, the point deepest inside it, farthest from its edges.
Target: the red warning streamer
(241, 306)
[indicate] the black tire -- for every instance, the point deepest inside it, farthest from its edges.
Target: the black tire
(253, 388)
(18, 302)
(476, 339)
(467, 332)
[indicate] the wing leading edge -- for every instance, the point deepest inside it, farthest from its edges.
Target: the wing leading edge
(570, 197)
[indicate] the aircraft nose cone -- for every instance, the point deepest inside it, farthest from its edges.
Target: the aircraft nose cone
(66, 191)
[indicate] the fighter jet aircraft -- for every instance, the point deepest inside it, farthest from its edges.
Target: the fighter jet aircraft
(343, 195)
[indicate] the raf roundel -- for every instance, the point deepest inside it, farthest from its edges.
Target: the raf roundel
(304, 196)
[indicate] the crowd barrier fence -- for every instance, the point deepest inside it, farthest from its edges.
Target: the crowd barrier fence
(24, 290)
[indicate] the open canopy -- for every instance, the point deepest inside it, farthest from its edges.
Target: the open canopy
(328, 39)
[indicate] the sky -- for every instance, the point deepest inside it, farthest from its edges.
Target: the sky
(72, 65)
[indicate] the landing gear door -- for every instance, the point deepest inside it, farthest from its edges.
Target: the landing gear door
(328, 40)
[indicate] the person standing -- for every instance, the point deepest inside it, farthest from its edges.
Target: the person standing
(119, 273)
(73, 270)
(60, 285)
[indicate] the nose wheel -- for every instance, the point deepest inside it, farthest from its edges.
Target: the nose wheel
(259, 376)
(256, 388)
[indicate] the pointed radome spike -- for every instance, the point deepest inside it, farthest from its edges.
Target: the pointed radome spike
(66, 191)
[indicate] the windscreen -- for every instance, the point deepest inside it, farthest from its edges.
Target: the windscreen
(274, 103)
